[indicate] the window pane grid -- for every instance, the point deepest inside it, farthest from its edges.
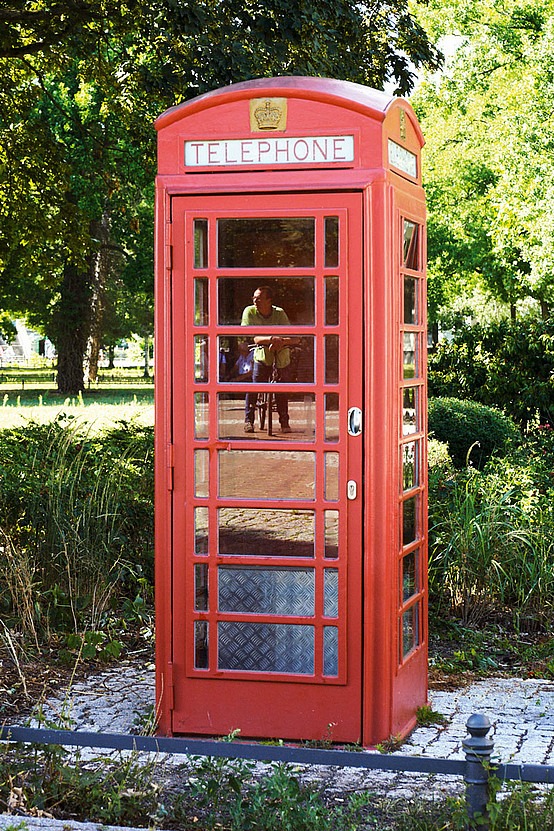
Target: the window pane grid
(318, 544)
(411, 425)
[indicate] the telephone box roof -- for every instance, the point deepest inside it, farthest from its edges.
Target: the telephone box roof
(372, 102)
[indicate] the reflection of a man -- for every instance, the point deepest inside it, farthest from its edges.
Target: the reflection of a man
(271, 351)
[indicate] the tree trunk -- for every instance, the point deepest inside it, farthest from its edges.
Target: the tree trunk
(111, 356)
(93, 352)
(99, 271)
(146, 373)
(545, 309)
(72, 326)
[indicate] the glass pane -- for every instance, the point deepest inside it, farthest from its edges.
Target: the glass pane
(331, 416)
(410, 465)
(410, 356)
(233, 409)
(201, 301)
(410, 410)
(410, 300)
(409, 581)
(201, 358)
(410, 521)
(331, 476)
(331, 359)
(294, 295)
(331, 534)
(290, 365)
(331, 592)
(331, 301)
(201, 529)
(200, 243)
(201, 472)
(201, 654)
(266, 474)
(201, 415)
(331, 241)
(224, 359)
(265, 533)
(411, 259)
(271, 590)
(330, 650)
(410, 630)
(266, 647)
(266, 242)
(201, 598)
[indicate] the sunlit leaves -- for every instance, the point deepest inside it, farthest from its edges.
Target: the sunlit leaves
(490, 143)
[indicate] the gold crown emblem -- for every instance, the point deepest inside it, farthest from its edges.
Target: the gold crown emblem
(267, 116)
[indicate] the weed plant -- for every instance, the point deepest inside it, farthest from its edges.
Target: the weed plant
(514, 807)
(47, 780)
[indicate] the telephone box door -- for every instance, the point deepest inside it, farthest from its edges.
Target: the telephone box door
(267, 522)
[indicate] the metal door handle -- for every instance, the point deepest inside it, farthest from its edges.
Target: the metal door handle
(354, 421)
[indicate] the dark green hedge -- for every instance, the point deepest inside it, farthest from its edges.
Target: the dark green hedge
(462, 424)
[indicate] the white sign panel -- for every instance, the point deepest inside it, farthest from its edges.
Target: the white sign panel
(402, 159)
(270, 150)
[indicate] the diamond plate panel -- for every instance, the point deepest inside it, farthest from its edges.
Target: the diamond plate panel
(273, 590)
(265, 647)
(330, 650)
(331, 592)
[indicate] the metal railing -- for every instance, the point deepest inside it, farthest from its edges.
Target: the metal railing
(476, 768)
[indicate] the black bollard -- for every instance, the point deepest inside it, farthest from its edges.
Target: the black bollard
(478, 750)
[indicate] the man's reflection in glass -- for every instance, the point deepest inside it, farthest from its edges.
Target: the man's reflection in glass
(272, 352)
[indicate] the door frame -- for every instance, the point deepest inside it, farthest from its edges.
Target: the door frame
(285, 691)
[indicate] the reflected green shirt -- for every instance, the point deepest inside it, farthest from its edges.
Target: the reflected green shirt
(278, 317)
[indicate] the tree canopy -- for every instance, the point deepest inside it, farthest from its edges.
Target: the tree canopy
(81, 85)
(489, 162)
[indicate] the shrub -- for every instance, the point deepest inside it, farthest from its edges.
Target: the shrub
(473, 432)
(509, 365)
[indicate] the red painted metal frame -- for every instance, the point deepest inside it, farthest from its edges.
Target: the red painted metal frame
(391, 689)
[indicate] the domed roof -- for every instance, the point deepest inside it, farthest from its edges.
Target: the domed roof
(344, 93)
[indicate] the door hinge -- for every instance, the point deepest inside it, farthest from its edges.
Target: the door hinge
(170, 686)
(170, 467)
(168, 245)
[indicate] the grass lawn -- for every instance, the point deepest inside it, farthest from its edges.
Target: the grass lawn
(101, 408)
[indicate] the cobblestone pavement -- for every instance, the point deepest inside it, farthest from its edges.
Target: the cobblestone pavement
(521, 712)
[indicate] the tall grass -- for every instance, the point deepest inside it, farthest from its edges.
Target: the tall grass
(492, 548)
(77, 520)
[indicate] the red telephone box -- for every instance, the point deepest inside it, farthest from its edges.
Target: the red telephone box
(291, 554)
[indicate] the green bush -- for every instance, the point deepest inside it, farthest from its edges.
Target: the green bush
(76, 521)
(473, 432)
(509, 365)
